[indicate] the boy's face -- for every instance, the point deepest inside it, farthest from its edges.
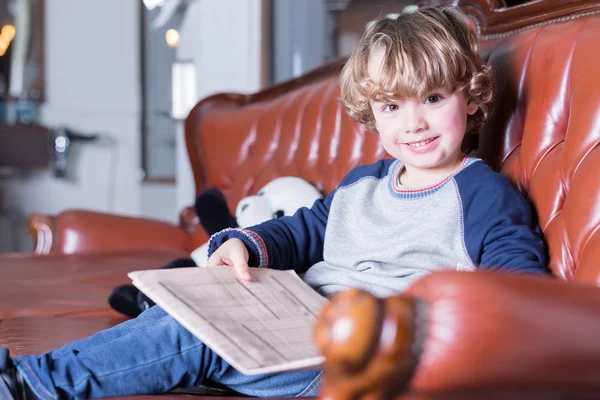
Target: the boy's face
(422, 133)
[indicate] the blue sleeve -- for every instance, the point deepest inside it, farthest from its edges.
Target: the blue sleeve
(499, 230)
(291, 242)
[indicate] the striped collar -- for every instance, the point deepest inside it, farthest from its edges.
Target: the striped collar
(405, 192)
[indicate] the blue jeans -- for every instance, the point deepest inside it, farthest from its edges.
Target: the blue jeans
(150, 354)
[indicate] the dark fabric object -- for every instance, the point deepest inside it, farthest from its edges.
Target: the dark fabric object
(124, 300)
(180, 263)
(128, 300)
(213, 213)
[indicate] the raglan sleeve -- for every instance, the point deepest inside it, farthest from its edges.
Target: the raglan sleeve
(500, 231)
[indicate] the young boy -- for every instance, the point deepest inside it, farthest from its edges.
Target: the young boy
(419, 82)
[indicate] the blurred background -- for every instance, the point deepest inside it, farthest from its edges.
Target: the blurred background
(93, 93)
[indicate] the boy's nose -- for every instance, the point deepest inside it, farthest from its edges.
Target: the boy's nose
(414, 123)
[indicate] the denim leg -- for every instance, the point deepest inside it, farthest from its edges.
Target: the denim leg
(147, 317)
(150, 354)
(285, 384)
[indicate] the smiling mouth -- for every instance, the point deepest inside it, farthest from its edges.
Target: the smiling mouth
(421, 143)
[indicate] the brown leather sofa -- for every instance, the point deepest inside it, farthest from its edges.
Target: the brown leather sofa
(476, 330)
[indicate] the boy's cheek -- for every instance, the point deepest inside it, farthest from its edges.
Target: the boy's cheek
(386, 127)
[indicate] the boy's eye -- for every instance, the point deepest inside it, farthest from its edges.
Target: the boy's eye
(390, 107)
(434, 98)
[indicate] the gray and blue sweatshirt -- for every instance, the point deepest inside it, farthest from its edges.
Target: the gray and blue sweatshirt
(375, 234)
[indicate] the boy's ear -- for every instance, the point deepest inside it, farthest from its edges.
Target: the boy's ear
(472, 107)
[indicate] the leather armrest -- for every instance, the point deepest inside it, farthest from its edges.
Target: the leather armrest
(480, 330)
(188, 220)
(79, 231)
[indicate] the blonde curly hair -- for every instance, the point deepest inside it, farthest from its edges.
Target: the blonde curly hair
(434, 47)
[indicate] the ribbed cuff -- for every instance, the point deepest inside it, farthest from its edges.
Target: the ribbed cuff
(257, 249)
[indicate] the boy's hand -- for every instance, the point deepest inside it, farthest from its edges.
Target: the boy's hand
(233, 253)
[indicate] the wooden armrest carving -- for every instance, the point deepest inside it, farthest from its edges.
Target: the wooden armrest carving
(371, 345)
(43, 229)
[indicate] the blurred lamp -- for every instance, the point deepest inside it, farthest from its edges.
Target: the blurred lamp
(8, 32)
(172, 37)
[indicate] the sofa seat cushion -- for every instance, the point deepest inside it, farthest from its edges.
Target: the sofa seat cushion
(36, 335)
(69, 285)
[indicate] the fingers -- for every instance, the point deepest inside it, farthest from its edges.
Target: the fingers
(234, 254)
(241, 267)
(214, 260)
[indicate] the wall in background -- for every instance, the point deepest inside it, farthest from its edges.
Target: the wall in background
(223, 40)
(92, 86)
(159, 127)
(301, 37)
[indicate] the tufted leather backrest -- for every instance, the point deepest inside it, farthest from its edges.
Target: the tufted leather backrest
(299, 128)
(544, 133)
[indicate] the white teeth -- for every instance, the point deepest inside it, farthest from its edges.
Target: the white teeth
(420, 144)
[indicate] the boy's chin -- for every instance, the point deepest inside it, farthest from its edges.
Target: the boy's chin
(432, 163)
(433, 159)
(422, 161)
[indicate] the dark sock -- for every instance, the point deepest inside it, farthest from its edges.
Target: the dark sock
(123, 299)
